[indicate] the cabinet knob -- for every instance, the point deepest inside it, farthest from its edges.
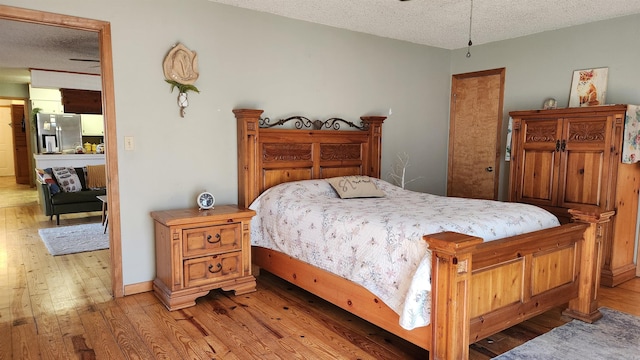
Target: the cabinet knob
(489, 169)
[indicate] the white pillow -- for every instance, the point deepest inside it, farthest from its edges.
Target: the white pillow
(67, 179)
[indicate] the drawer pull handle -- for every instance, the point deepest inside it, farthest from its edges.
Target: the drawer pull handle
(215, 271)
(218, 238)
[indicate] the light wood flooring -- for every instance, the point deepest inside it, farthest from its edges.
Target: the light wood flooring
(61, 308)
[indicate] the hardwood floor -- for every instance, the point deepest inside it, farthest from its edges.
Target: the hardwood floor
(60, 308)
(12, 194)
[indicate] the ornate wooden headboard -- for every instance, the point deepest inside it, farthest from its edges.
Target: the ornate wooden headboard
(270, 156)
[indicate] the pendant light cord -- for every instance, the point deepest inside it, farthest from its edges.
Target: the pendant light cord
(470, 22)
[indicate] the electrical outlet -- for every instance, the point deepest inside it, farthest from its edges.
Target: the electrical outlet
(128, 143)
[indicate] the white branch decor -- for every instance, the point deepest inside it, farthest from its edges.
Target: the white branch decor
(399, 170)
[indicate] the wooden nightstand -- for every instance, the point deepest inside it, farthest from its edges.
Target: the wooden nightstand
(197, 251)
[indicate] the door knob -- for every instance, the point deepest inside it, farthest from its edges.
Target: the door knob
(489, 169)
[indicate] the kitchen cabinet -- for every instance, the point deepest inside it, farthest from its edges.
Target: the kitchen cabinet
(48, 106)
(81, 101)
(198, 251)
(571, 158)
(47, 100)
(92, 125)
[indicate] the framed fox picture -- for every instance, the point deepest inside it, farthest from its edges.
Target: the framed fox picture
(588, 87)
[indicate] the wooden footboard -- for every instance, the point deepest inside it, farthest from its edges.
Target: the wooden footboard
(482, 288)
(478, 288)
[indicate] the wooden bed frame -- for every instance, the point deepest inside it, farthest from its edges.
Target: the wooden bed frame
(478, 288)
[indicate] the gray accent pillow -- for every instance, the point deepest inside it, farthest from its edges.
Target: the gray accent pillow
(355, 186)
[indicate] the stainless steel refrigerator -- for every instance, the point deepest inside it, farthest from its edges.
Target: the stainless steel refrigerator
(59, 133)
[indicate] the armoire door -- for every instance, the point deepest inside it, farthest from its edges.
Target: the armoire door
(538, 165)
(586, 151)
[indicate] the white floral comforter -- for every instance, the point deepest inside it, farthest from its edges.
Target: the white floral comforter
(377, 242)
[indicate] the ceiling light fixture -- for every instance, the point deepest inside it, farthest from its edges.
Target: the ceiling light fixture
(470, 21)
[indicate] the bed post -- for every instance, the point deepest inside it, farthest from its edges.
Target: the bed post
(248, 124)
(450, 275)
(585, 306)
(375, 144)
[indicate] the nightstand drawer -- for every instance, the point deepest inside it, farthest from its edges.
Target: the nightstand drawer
(211, 240)
(209, 269)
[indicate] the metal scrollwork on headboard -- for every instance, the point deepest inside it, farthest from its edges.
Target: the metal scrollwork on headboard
(306, 123)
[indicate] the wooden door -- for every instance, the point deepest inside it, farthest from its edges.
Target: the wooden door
(474, 134)
(21, 148)
(586, 153)
(538, 164)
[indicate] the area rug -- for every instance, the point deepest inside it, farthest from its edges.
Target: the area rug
(74, 239)
(615, 336)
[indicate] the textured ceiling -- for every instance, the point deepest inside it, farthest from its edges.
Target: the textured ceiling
(445, 23)
(439, 23)
(26, 45)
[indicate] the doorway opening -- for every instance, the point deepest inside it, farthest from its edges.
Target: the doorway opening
(103, 30)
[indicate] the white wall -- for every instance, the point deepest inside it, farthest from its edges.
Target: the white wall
(255, 60)
(541, 66)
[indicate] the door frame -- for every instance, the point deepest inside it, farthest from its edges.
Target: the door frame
(103, 29)
(498, 150)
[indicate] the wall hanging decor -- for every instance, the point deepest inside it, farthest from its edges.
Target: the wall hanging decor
(588, 87)
(181, 71)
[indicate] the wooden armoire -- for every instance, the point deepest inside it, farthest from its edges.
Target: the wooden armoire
(571, 158)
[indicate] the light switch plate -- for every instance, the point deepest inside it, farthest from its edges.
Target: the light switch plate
(128, 143)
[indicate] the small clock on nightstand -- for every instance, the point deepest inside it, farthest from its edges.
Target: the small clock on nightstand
(206, 200)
